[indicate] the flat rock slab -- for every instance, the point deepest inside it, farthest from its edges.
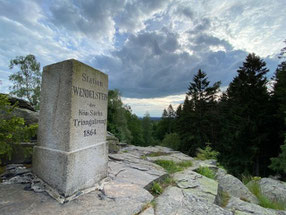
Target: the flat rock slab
(175, 201)
(196, 184)
(129, 168)
(174, 156)
(120, 199)
(139, 150)
(148, 211)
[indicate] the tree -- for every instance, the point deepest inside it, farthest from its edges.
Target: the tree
(116, 118)
(135, 127)
(27, 81)
(196, 120)
(278, 164)
(167, 123)
(279, 102)
(147, 130)
(245, 133)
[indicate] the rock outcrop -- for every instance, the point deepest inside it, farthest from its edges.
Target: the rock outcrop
(234, 187)
(273, 189)
(128, 187)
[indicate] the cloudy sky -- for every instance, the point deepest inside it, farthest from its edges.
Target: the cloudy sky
(149, 48)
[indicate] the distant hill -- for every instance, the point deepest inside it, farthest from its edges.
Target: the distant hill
(155, 118)
(152, 118)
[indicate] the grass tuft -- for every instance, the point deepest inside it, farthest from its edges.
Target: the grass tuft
(224, 198)
(156, 189)
(205, 171)
(156, 154)
(262, 199)
(172, 167)
(159, 186)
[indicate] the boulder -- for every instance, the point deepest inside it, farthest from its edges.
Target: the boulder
(113, 143)
(273, 189)
(234, 187)
(240, 207)
(30, 117)
(23, 110)
(21, 103)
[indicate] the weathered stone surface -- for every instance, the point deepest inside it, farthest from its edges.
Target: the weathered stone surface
(175, 201)
(202, 187)
(14, 200)
(113, 143)
(126, 192)
(234, 187)
(72, 152)
(21, 103)
(242, 207)
(123, 193)
(148, 211)
(140, 151)
(30, 117)
(128, 168)
(174, 156)
(273, 189)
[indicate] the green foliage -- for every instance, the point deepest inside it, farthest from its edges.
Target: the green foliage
(156, 154)
(246, 118)
(156, 189)
(246, 179)
(167, 123)
(135, 127)
(254, 187)
(278, 164)
(172, 167)
(206, 153)
(159, 186)
(12, 129)
(147, 128)
(27, 81)
(206, 171)
(171, 140)
(116, 119)
(197, 119)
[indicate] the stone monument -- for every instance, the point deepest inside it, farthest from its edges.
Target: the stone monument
(71, 154)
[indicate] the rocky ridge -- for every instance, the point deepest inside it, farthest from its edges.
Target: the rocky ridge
(128, 189)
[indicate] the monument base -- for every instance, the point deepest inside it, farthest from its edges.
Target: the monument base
(69, 172)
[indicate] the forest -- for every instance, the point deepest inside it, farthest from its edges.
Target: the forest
(244, 127)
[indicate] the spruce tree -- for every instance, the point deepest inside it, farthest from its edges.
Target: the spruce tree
(245, 131)
(197, 119)
(279, 102)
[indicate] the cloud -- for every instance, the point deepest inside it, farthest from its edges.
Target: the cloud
(150, 49)
(152, 64)
(154, 106)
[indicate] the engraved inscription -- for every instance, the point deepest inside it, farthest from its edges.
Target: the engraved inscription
(89, 117)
